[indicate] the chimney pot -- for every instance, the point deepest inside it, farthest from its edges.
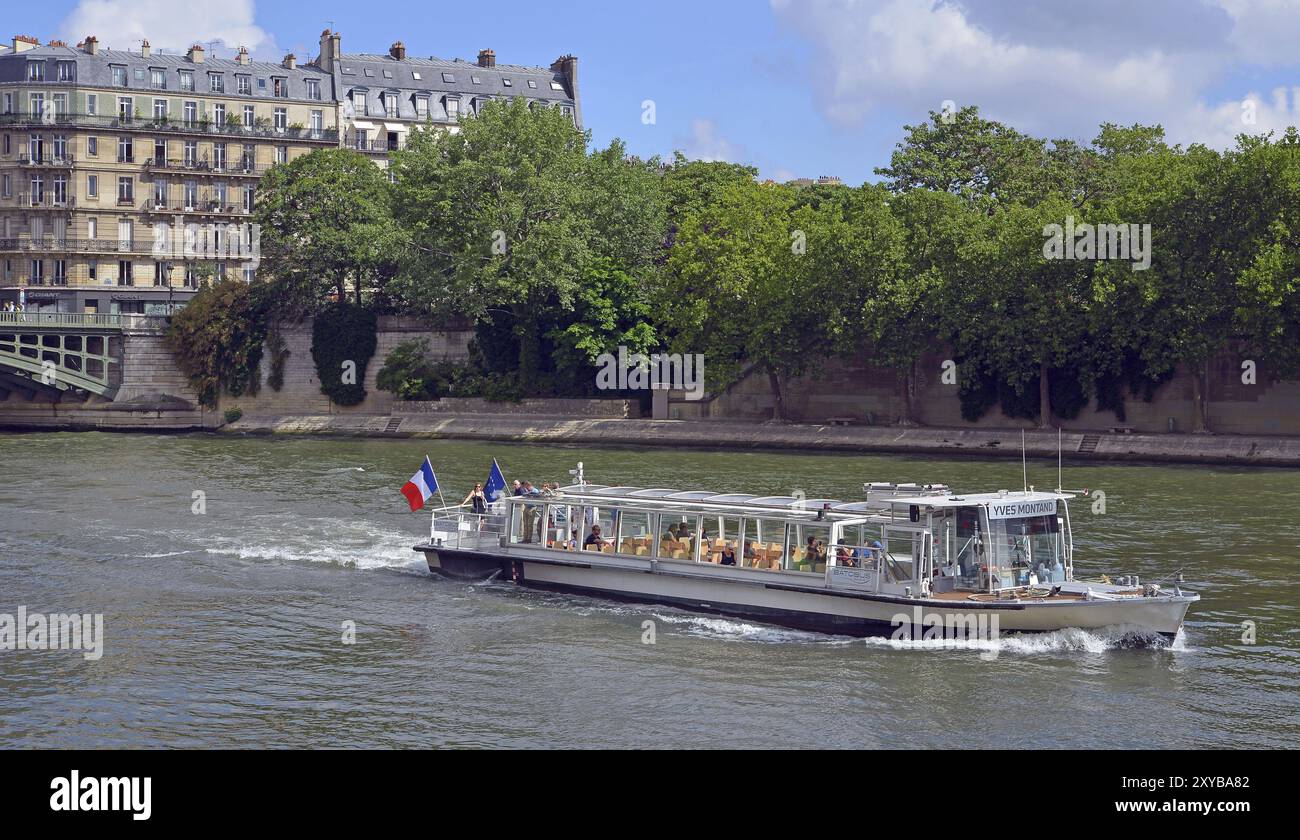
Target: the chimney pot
(487, 58)
(145, 49)
(290, 61)
(398, 51)
(22, 43)
(92, 45)
(196, 54)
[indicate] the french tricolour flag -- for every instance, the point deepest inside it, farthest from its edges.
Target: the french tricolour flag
(421, 486)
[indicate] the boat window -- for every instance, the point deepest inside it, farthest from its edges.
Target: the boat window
(526, 524)
(1023, 546)
(557, 526)
(765, 544)
(634, 536)
(678, 535)
(810, 545)
(604, 518)
(720, 533)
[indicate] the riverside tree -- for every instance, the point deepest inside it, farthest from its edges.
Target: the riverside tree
(326, 223)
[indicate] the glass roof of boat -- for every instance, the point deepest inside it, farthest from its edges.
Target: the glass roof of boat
(880, 497)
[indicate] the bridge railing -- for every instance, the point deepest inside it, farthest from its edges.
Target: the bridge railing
(80, 319)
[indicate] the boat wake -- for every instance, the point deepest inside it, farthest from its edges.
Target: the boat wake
(355, 545)
(1058, 641)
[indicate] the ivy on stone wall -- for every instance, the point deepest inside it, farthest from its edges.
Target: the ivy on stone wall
(279, 350)
(217, 340)
(343, 338)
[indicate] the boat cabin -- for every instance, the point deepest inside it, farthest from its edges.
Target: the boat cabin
(903, 539)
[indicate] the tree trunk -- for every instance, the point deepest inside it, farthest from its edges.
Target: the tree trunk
(1044, 398)
(909, 396)
(778, 407)
(1200, 399)
(530, 346)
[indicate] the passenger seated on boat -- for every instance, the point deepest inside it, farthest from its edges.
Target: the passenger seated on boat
(728, 556)
(594, 541)
(844, 557)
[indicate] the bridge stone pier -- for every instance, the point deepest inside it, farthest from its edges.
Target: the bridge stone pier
(88, 371)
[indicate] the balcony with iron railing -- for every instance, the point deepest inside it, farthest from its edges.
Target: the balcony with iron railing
(56, 245)
(55, 161)
(201, 207)
(49, 200)
(202, 125)
(240, 168)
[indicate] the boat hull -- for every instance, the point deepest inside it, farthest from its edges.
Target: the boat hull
(808, 606)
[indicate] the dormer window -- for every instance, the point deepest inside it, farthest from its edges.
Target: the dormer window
(280, 87)
(36, 71)
(187, 80)
(313, 89)
(244, 85)
(119, 76)
(390, 105)
(158, 78)
(453, 107)
(216, 83)
(359, 103)
(422, 107)
(67, 71)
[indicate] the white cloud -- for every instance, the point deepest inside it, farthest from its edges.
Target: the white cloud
(705, 143)
(910, 56)
(170, 25)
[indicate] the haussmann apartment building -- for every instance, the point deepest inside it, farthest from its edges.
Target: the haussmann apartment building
(128, 178)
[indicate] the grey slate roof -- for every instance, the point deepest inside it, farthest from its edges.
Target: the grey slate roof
(96, 71)
(467, 80)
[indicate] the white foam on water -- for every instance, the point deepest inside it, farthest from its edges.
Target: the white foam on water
(1070, 639)
(327, 541)
(733, 630)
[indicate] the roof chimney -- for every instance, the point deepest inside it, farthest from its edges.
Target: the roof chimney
(195, 54)
(57, 43)
(290, 61)
(23, 43)
(567, 66)
(487, 58)
(92, 45)
(144, 48)
(398, 51)
(331, 49)
(241, 57)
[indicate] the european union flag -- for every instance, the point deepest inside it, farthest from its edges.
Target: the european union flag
(496, 483)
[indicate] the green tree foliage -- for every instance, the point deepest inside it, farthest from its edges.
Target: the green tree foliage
(326, 225)
(217, 339)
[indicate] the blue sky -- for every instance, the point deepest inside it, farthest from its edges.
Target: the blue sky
(798, 88)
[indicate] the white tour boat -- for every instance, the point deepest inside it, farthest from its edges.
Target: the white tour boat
(916, 559)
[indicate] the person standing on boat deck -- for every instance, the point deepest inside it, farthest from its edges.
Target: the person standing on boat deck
(519, 488)
(478, 502)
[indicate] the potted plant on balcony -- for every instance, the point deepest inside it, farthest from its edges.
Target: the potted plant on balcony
(234, 121)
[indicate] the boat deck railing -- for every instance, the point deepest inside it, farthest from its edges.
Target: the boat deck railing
(459, 527)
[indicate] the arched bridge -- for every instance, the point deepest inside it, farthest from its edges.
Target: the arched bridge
(65, 352)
